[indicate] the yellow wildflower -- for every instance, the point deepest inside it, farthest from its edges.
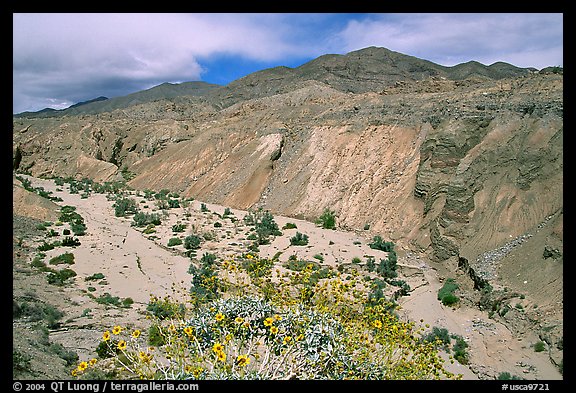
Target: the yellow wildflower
(228, 337)
(106, 336)
(300, 337)
(277, 317)
(92, 361)
(188, 331)
(136, 333)
(239, 320)
(268, 321)
(377, 324)
(287, 340)
(217, 347)
(121, 345)
(221, 356)
(243, 360)
(273, 329)
(219, 317)
(116, 330)
(74, 372)
(82, 366)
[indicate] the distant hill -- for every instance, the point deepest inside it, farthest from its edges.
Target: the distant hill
(361, 71)
(368, 69)
(103, 104)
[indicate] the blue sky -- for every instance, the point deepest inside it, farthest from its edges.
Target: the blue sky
(61, 59)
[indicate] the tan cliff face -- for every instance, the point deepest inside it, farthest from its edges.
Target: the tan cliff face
(451, 168)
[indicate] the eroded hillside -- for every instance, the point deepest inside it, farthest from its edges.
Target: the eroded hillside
(461, 165)
(451, 167)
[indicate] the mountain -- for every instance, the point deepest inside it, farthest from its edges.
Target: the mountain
(462, 165)
(369, 69)
(103, 104)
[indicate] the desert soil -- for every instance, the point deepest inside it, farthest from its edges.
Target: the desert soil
(136, 265)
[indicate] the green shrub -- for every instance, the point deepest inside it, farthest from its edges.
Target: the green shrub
(67, 257)
(94, 277)
(142, 219)
(299, 239)
(124, 206)
(178, 228)
(539, 346)
(379, 244)
(507, 376)
(289, 225)
(69, 241)
(439, 336)
(192, 242)
(327, 220)
(175, 241)
(446, 293)
(59, 277)
(459, 348)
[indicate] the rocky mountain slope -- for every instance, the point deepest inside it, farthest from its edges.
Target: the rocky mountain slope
(450, 162)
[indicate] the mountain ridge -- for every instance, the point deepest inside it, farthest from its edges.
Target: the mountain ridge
(360, 71)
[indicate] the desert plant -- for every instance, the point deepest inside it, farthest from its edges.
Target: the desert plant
(124, 206)
(67, 258)
(289, 225)
(174, 241)
(327, 220)
(299, 239)
(446, 293)
(192, 242)
(379, 244)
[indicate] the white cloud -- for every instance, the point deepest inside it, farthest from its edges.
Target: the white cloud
(71, 57)
(525, 40)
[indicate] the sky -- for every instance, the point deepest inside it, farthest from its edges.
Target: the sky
(60, 59)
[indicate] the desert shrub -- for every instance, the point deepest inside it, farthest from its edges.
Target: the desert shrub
(192, 242)
(299, 239)
(124, 206)
(257, 267)
(69, 241)
(327, 220)
(446, 293)
(309, 323)
(94, 277)
(67, 258)
(78, 228)
(505, 375)
(174, 241)
(439, 337)
(370, 264)
(204, 208)
(289, 225)
(264, 225)
(165, 308)
(460, 350)
(379, 244)
(318, 257)
(539, 346)
(70, 357)
(387, 267)
(142, 219)
(20, 361)
(356, 260)
(46, 246)
(59, 277)
(178, 227)
(205, 283)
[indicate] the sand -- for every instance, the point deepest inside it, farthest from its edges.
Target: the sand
(136, 265)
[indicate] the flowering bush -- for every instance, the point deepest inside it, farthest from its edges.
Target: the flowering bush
(270, 324)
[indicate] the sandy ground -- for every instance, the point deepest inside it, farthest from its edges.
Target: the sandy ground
(136, 265)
